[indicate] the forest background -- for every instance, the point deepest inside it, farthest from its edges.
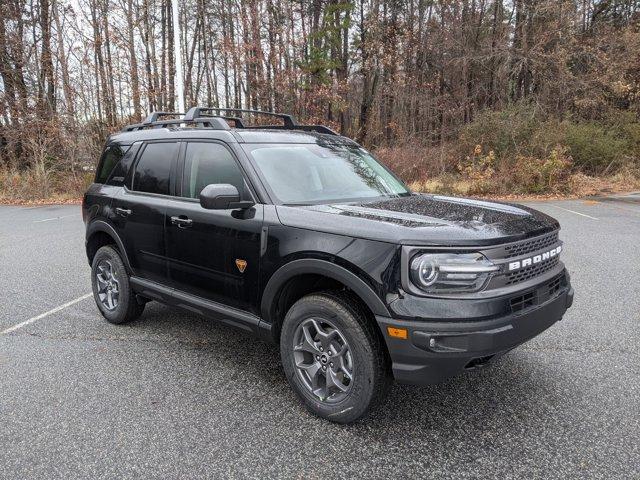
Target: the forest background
(476, 97)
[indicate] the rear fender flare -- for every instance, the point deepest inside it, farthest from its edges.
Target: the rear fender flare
(102, 226)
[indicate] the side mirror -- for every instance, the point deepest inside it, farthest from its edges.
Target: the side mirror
(222, 196)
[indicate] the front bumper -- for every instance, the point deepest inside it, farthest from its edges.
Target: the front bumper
(434, 351)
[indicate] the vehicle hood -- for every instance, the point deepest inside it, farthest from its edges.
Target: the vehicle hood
(422, 219)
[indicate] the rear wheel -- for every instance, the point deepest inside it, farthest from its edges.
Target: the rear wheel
(111, 289)
(333, 357)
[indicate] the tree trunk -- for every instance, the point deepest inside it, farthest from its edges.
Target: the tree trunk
(133, 62)
(48, 102)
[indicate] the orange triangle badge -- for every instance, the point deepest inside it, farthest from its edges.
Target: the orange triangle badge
(241, 264)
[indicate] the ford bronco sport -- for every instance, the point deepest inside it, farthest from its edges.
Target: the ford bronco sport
(300, 236)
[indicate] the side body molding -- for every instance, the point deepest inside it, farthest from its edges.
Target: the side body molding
(321, 267)
(102, 226)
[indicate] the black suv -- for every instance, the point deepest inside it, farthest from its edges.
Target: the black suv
(300, 236)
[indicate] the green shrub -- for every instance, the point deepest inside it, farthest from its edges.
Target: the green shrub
(632, 132)
(505, 132)
(595, 148)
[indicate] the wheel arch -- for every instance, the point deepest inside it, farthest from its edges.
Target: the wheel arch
(99, 234)
(305, 276)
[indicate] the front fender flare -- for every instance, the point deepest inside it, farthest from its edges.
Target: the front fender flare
(320, 267)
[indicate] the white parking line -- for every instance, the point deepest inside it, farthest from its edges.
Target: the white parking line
(573, 211)
(56, 218)
(42, 315)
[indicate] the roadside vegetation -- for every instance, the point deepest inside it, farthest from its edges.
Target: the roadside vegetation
(521, 152)
(488, 97)
(509, 153)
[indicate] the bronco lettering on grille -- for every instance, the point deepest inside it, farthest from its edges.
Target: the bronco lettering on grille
(526, 262)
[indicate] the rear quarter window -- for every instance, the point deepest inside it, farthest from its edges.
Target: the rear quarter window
(110, 158)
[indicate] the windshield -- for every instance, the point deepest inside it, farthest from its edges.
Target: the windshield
(309, 173)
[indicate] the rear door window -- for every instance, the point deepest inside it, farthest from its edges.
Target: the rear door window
(153, 171)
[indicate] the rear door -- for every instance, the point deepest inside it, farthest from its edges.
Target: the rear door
(97, 200)
(139, 210)
(216, 255)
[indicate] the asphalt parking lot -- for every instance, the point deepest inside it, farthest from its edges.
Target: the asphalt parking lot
(175, 395)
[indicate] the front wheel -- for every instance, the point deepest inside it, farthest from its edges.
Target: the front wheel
(333, 357)
(111, 289)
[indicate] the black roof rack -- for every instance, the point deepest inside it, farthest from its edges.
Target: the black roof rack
(195, 112)
(202, 117)
(289, 122)
(152, 121)
(304, 128)
(238, 122)
(154, 116)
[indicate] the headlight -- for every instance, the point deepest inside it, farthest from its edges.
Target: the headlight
(450, 272)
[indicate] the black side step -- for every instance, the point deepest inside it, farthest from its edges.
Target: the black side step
(171, 296)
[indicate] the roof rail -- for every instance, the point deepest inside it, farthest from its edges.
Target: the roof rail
(304, 128)
(201, 117)
(154, 116)
(238, 122)
(215, 123)
(289, 121)
(195, 112)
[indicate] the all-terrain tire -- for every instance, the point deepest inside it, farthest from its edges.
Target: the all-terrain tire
(371, 366)
(127, 308)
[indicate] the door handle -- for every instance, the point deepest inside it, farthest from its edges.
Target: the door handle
(182, 221)
(123, 212)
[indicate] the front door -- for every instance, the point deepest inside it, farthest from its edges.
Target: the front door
(214, 254)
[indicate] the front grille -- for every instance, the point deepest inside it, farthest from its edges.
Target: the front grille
(530, 272)
(529, 246)
(523, 301)
(539, 295)
(555, 285)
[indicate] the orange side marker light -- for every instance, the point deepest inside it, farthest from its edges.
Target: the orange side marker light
(397, 332)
